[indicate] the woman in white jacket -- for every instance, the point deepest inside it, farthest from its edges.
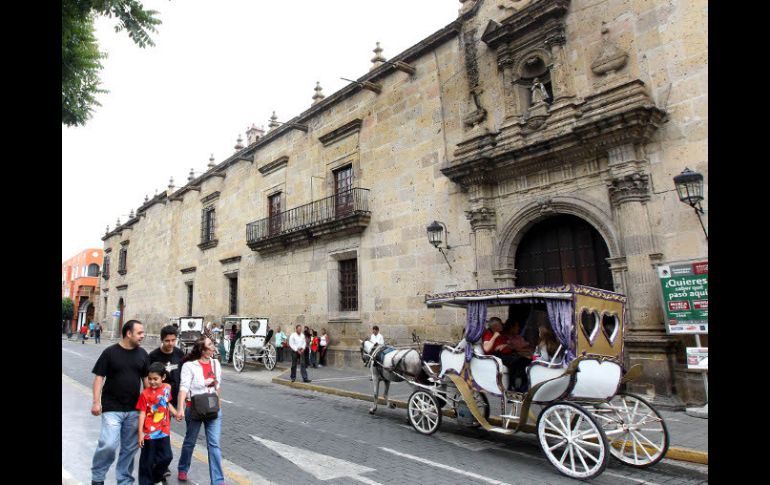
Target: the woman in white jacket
(201, 373)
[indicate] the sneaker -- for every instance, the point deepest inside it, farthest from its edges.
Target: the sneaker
(306, 380)
(293, 380)
(93, 482)
(182, 476)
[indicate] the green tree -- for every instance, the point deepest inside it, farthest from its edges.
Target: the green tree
(67, 310)
(81, 58)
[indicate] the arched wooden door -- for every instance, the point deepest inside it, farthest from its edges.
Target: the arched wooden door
(563, 249)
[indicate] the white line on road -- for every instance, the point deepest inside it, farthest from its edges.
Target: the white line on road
(68, 479)
(228, 402)
(73, 352)
(445, 467)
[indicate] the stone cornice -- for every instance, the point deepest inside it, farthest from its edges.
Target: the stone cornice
(212, 196)
(620, 115)
(276, 164)
(124, 243)
(107, 250)
(341, 132)
(482, 218)
(234, 259)
(534, 17)
(208, 244)
(191, 269)
(121, 287)
(630, 188)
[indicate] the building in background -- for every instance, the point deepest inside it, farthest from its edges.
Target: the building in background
(80, 283)
(543, 135)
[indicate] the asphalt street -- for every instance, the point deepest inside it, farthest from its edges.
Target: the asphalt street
(272, 433)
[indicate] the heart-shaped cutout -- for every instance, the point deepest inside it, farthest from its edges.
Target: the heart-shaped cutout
(610, 327)
(191, 324)
(589, 322)
(254, 326)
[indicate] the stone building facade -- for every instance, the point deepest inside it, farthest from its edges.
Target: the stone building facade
(531, 129)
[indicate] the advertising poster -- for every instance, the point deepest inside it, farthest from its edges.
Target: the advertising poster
(698, 358)
(685, 296)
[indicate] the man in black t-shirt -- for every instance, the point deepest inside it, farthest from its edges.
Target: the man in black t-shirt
(124, 366)
(171, 356)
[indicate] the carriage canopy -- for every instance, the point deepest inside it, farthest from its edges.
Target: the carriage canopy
(584, 319)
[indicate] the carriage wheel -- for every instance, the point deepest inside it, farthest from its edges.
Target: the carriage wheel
(239, 355)
(268, 357)
(637, 433)
(424, 413)
(572, 440)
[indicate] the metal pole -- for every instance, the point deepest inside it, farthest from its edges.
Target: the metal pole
(705, 373)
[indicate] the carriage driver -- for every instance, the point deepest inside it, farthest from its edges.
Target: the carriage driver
(496, 343)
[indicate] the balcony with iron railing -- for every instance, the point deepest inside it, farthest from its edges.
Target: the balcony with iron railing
(340, 214)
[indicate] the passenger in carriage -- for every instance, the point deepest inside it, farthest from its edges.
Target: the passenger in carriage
(495, 342)
(547, 345)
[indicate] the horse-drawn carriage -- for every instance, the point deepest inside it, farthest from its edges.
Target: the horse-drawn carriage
(190, 330)
(573, 402)
(253, 343)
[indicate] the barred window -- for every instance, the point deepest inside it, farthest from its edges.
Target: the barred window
(122, 260)
(348, 285)
(233, 295)
(106, 268)
(207, 224)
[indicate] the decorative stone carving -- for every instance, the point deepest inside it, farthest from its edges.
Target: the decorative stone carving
(482, 218)
(630, 188)
(539, 94)
(611, 58)
(545, 207)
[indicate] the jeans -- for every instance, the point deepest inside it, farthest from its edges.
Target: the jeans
(313, 355)
(154, 460)
(302, 366)
(213, 430)
(118, 429)
(97, 337)
(323, 355)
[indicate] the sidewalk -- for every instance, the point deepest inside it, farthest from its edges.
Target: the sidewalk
(688, 435)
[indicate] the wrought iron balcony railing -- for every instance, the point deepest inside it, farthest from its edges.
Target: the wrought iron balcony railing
(344, 212)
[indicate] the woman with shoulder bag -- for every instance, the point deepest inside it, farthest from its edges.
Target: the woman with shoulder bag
(201, 376)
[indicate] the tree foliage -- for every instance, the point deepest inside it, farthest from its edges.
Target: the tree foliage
(81, 58)
(67, 308)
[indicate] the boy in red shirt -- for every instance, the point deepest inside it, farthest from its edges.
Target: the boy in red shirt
(155, 426)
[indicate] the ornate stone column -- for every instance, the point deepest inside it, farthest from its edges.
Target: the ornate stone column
(484, 227)
(646, 340)
(561, 82)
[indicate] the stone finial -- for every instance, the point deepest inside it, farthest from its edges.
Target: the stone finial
(191, 176)
(318, 96)
(239, 143)
(611, 58)
(117, 223)
(211, 162)
(107, 229)
(377, 60)
(253, 134)
(146, 199)
(171, 184)
(131, 214)
(273, 122)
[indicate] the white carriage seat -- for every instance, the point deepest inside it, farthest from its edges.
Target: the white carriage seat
(539, 372)
(478, 350)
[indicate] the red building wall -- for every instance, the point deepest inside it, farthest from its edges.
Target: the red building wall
(76, 282)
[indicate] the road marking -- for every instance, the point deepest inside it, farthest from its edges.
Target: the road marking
(228, 402)
(445, 467)
(322, 467)
(73, 352)
(68, 479)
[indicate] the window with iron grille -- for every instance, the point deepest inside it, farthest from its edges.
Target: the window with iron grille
(233, 295)
(122, 260)
(207, 224)
(189, 299)
(348, 285)
(106, 268)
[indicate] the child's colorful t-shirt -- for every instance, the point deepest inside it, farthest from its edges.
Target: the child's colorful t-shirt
(314, 344)
(154, 402)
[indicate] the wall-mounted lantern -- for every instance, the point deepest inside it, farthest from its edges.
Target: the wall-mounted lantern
(689, 186)
(438, 235)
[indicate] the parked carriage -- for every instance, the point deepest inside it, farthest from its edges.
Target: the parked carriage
(573, 403)
(253, 344)
(190, 330)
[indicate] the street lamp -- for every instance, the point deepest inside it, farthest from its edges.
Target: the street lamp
(689, 186)
(436, 232)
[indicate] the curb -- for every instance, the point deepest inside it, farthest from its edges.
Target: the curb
(673, 453)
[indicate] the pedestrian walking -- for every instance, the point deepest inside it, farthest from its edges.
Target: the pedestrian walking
(154, 406)
(170, 356)
(97, 333)
(298, 344)
(124, 366)
(280, 344)
(314, 349)
(323, 344)
(83, 333)
(91, 329)
(201, 374)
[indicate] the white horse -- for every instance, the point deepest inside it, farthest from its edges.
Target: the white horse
(389, 365)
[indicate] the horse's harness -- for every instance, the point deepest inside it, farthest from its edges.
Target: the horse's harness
(384, 350)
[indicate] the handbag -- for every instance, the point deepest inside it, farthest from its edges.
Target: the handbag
(205, 407)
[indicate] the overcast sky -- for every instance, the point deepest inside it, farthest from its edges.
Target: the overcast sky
(216, 68)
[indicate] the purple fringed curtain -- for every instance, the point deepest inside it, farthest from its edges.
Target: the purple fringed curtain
(477, 319)
(560, 315)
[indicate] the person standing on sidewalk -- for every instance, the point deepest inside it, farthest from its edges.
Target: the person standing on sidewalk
(97, 333)
(235, 334)
(124, 365)
(280, 343)
(324, 343)
(154, 408)
(314, 349)
(91, 329)
(83, 333)
(171, 357)
(298, 344)
(201, 374)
